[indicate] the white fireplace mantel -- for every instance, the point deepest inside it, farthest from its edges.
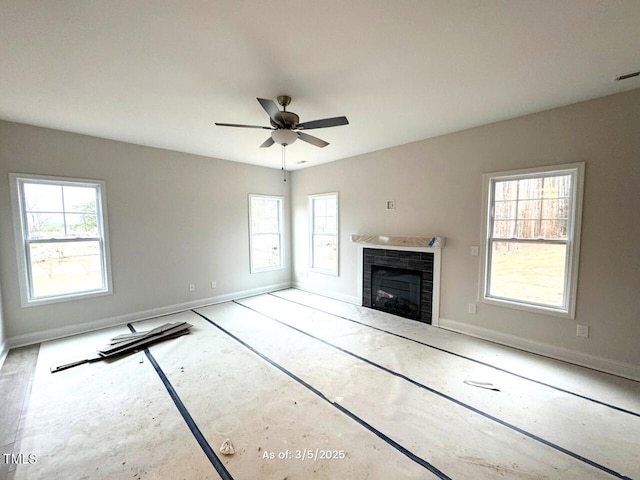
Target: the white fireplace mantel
(396, 242)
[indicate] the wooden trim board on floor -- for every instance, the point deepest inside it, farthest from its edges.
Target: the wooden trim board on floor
(128, 343)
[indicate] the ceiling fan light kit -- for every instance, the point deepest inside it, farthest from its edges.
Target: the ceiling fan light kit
(286, 126)
(284, 137)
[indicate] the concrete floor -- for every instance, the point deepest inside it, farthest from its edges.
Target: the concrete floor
(309, 387)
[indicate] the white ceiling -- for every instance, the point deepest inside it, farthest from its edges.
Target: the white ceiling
(161, 72)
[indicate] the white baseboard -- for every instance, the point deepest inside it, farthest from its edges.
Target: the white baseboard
(4, 349)
(602, 364)
(54, 333)
(328, 293)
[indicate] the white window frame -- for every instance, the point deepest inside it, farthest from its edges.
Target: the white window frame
(22, 241)
(280, 201)
(576, 170)
(312, 233)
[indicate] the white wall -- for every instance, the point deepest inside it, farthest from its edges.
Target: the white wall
(3, 337)
(437, 185)
(174, 219)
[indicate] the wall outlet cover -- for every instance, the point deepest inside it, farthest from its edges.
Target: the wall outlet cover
(582, 331)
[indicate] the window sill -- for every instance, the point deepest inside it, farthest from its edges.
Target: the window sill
(37, 302)
(324, 272)
(267, 269)
(539, 309)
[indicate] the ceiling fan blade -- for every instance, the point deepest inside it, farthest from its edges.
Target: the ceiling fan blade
(324, 123)
(272, 109)
(267, 143)
(241, 126)
(312, 140)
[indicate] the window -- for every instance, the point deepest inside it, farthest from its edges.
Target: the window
(324, 232)
(265, 233)
(61, 236)
(532, 221)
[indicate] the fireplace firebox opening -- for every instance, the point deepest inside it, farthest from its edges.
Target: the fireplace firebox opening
(396, 290)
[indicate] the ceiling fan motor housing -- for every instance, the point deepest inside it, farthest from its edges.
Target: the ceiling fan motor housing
(288, 119)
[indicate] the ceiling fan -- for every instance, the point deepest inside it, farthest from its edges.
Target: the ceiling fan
(285, 126)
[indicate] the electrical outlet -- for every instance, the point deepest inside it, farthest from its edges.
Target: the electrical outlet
(582, 331)
(472, 308)
(475, 251)
(214, 284)
(192, 287)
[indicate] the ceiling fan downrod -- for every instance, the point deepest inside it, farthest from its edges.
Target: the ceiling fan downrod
(284, 101)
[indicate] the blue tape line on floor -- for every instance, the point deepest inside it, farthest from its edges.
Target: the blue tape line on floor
(480, 362)
(449, 398)
(195, 430)
(350, 414)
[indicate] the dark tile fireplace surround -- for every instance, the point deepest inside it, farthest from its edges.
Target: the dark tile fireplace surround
(398, 262)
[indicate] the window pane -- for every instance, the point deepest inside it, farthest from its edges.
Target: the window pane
(503, 228)
(529, 188)
(320, 225)
(331, 225)
(266, 250)
(557, 187)
(555, 208)
(554, 229)
(529, 209)
(527, 229)
(324, 230)
(80, 199)
(325, 252)
(269, 224)
(505, 210)
(265, 215)
(45, 225)
(42, 198)
(506, 190)
(266, 235)
(65, 268)
(528, 272)
(320, 207)
(82, 224)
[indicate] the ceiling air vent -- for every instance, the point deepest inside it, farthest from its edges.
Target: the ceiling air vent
(625, 76)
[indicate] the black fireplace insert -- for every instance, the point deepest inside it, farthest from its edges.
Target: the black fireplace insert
(396, 291)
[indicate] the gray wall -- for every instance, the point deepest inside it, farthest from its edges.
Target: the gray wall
(3, 337)
(437, 185)
(177, 219)
(174, 219)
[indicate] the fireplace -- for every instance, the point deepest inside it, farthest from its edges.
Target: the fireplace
(396, 290)
(399, 282)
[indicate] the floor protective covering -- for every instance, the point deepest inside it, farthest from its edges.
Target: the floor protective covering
(308, 387)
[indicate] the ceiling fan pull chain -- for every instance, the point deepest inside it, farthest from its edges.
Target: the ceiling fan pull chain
(284, 173)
